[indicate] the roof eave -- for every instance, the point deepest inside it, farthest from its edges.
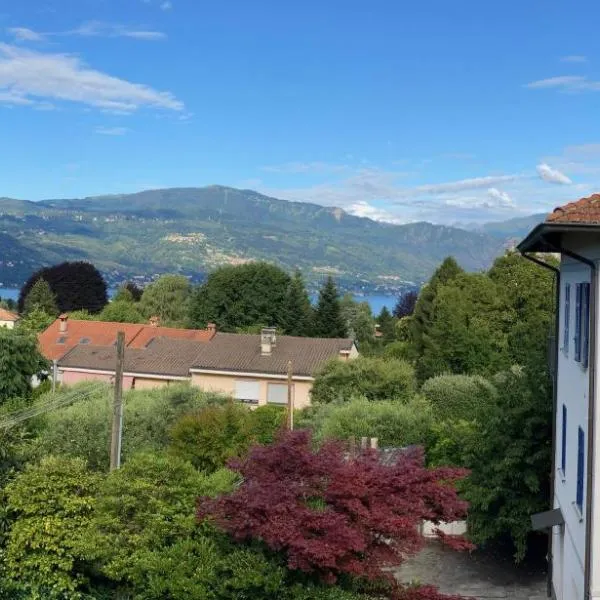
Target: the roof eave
(543, 237)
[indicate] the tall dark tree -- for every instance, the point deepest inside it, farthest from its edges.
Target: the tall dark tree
(129, 291)
(298, 311)
(76, 285)
(40, 297)
(329, 322)
(406, 305)
(238, 297)
(386, 323)
(423, 313)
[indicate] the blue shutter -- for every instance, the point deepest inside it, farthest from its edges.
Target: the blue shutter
(563, 455)
(580, 465)
(585, 324)
(567, 322)
(578, 323)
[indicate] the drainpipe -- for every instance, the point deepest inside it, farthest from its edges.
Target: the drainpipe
(591, 414)
(556, 272)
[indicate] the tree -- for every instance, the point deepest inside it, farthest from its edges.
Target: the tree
(298, 311)
(129, 291)
(422, 315)
(35, 321)
(331, 516)
(405, 305)
(52, 501)
(121, 311)
(76, 285)
(242, 296)
(167, 298)
(40, 298)
(20, 360)
(328, 316)
(358, 317)
(387, 324)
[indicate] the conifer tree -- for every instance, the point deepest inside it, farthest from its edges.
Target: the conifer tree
(41, 298)
(298, 312)
(329, 322)
(386, 323)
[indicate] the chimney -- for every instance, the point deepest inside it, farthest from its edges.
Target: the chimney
(62, 326)
(212, 328)
(344, 354)
(154, 321)
(267, 341)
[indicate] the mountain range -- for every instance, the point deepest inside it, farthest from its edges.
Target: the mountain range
(193, 230)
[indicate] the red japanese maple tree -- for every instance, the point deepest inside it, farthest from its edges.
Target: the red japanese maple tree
(331, 514)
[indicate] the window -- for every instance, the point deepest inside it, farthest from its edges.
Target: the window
(247, 391)
(61, 340)
(85, 340)
(577, 338)
(563, 452)
(277, 393)
(567, 319)
(585, 324)
(580, 466)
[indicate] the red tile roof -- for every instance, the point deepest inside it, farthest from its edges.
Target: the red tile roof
(54, 344)
(585, 211)
(6, 315)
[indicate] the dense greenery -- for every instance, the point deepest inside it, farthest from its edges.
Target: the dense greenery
(328, 313)
(297, 309)
(75, 285)
(40, 298)
(167, 298)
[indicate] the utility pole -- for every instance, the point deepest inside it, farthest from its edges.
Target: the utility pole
(117, 424)
(290, 398)
(54, 374)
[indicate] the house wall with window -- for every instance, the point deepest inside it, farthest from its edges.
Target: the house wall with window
(255, 390)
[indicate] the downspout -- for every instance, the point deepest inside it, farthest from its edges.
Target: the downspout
(591, 415)
(556, 271)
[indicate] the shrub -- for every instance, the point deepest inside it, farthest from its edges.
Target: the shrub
(265, 422)
(373, 378)
(395, 424)
(459, 396)
(52, 502)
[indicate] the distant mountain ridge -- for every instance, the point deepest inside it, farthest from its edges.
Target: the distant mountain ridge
(194, 230)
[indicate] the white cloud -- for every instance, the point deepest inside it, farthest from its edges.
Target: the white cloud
(547, 173)
(500, 198)
(305, 167)
(101, 29)
(166, 5)
(574, 58)
(111, 130)
(29, 77)
(23, 34)
(566, 83)
(466, 184)
(364, 209)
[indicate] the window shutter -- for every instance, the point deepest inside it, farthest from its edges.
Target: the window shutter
(247, 391)
(585, 324)
(563, 456)
(580, 465)
(578, 323)
(567, 322)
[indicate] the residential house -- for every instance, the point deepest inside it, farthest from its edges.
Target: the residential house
(8, 319)
(251, 368)
(573, 232)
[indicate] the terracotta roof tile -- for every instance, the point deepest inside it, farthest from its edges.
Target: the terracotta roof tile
(7, 315)
(585, 211)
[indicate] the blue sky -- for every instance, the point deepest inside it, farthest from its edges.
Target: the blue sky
(452, 112)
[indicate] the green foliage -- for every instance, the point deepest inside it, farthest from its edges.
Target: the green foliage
(395, 424)
(42, 298)
(387, 325)
(460, 396)
(266, 422)
(212, 435)
(167, 298)
(358, 317)
(297, 309)
(373, 378)
(19, 361)
(83, 429)
(242, 296)
(35, 321)
(121, 311)
(52, 502)
(328, 315)
(82, 315)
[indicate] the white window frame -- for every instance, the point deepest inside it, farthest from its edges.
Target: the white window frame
(279, 385)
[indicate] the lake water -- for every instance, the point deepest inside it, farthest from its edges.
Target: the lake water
(376, 302)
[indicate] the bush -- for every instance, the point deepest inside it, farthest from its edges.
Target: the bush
(265, 422)
(394, 424)
(83, 429)
(459, 396)
(209, 437)
(373, 378)
(52, 502)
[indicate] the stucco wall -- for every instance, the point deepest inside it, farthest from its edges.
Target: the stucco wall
(142, 383)
(73, 377)
(225, 384)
